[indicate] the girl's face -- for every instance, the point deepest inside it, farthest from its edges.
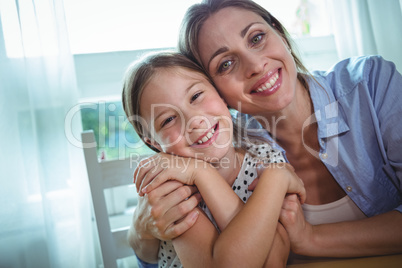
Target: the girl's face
(186, 116)
(248, 60)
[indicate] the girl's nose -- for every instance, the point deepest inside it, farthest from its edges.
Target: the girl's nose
(196, 123)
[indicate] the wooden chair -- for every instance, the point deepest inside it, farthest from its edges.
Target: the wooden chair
(107, 175)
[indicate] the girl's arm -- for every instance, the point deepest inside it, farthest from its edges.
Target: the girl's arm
(224, 208)
(243, 242)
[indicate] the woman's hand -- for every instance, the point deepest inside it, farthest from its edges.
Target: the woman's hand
(292, 218)
(167, 212)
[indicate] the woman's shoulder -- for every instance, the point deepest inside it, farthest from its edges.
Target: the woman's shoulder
(346, 74)
(354, 68)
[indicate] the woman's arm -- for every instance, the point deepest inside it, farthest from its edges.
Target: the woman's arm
(157, 216)
(378, 235)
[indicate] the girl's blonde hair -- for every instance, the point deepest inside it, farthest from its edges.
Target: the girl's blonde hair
(137, 78)
(197, 14)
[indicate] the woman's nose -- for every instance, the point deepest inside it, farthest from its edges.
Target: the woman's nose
(254, 64)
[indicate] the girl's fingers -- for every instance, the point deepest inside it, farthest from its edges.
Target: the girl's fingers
(147, 170)
(148, 178)
(141, 164)
(150, 161)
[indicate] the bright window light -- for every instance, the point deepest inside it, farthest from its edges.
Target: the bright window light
(121, 25)
(96, 26)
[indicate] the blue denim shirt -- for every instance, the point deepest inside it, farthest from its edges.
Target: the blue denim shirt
(359, 112)
(358, 109)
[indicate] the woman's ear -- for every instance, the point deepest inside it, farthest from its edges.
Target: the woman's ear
(152, 143)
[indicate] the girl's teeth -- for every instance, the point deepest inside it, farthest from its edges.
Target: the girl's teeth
(207, 137)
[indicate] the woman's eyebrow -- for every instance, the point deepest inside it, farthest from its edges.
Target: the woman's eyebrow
(224, 49)
(245, 30)
(219, 51)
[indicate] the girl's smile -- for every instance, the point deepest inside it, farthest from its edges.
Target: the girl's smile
(185, 115)
(208, 137)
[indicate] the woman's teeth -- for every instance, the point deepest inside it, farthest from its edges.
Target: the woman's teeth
(207, 137)
(269, 84)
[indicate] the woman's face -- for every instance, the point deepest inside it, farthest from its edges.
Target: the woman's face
(186, 115)
(248, 60)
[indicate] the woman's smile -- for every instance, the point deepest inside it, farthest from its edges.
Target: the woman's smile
(269, 84)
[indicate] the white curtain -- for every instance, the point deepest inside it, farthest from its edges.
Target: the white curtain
(45, 215)
(368, 27)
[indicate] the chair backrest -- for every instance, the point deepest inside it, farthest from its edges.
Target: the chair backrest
(103, 175)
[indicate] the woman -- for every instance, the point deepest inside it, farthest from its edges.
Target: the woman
(340, 129)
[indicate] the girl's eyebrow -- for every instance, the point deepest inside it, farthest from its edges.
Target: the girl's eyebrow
(192, 85)
(185, 93)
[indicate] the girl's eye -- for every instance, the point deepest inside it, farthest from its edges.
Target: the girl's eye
(195, 96)
(225, 66)
(167, 121)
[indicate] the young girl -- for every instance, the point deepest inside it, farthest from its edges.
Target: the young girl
(176, 111)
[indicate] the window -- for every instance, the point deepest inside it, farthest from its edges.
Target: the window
(120, 25)
(106, 36)
(115, 137)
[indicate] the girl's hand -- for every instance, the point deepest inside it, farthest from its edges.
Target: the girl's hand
(282, 171)
(163, 167)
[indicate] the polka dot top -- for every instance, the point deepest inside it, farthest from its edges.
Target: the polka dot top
(258, 152)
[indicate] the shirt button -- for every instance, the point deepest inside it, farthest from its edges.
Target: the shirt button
(324, 156)
(349, 188)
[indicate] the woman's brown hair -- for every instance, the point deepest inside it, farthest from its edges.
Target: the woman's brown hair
(197, 14)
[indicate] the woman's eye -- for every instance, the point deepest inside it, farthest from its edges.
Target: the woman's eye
(167, 121)
(195, 96)
(256, 39)
(225, 66)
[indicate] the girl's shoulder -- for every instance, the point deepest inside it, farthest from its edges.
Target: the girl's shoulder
(263, 151)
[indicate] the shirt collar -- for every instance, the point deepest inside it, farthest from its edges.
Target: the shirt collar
(328, 111)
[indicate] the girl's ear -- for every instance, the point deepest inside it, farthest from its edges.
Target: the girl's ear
(152, 143)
